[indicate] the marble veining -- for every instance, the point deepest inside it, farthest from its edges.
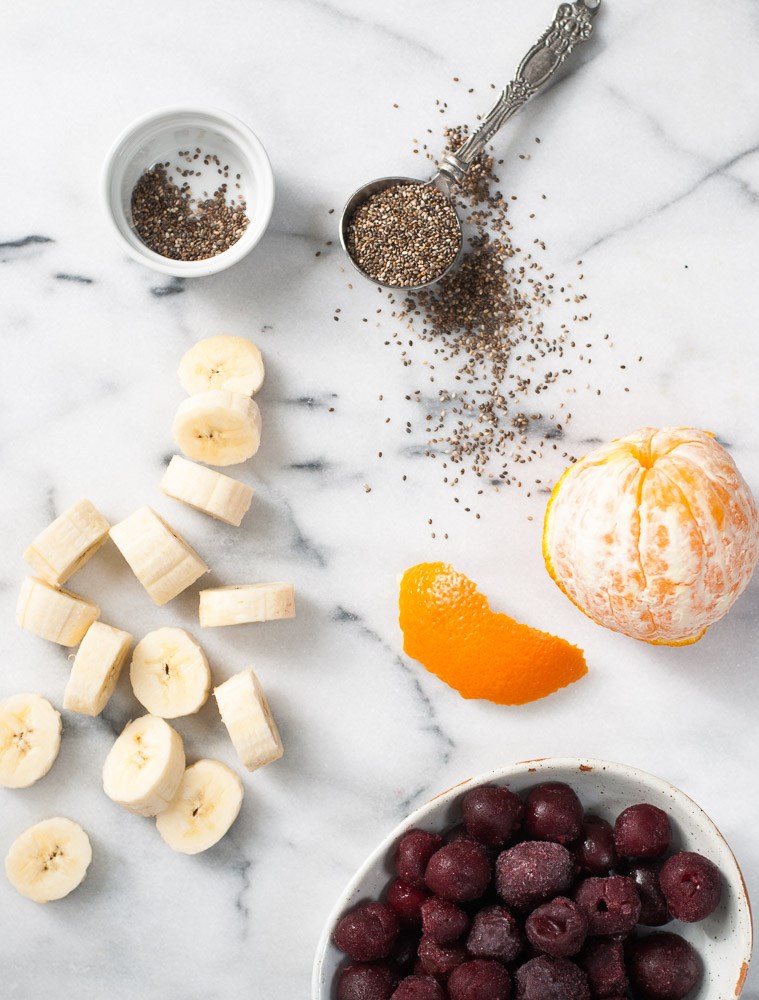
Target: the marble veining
(649, 165)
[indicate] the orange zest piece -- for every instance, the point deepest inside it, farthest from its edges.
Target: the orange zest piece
(448, 626)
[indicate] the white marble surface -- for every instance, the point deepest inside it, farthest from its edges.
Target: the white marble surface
(650, 160)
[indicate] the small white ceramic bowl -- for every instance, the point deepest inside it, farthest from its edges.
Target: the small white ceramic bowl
(158, 137)
(723, 940)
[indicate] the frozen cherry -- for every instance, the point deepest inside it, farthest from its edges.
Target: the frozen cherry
(495, 934)
(419, 988)
(460, 832)
(603, 960)
(545, 978)
(366, 982)
(459, 872)
(479, 979)
(415, 848)
(367, 933)
(492, 815)
(691, 885)
(532, 872)
(442, 920)
(612, 904)
(653, 905)
(440, 959)
(558, 928)
(664, 966)
(642, 831)
(406, 900)
(595, 849)
(553, 812)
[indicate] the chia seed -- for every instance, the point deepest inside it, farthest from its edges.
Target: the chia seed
(174, 224)
(404, 236)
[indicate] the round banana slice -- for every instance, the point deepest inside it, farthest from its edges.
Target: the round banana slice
(206, 805)
(170, 674)
(49, 860)
(218, 427)
(224, 362)
(144, 766)
(30, 738)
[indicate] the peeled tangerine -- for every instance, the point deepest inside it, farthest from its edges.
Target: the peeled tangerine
(448, 626)
(655, 535)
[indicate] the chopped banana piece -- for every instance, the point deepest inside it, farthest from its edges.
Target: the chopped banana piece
(49, 860)
(160, 558)
(253, 602)
(231, 363)
(54, 613)
(245, 712)
(218, 427)
(206, 490)
(67, 543)
(30, 738)
(207, 803)
(96, 669)
(144, 767)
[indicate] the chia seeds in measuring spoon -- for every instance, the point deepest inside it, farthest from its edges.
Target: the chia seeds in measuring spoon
(404, 236)
(191, 204)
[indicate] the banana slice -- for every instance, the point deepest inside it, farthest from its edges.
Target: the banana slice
(53, 613)
(245, 712)
(218, 427)
(231, 363)
(30, 738)
(144, 766)
(160, 558)
(66, 544)
(206, 805)
(211, 492)
(49, 860)
(170, 674)
(252, 602)
(96, 669)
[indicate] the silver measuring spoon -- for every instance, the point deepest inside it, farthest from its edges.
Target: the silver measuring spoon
(572, 24)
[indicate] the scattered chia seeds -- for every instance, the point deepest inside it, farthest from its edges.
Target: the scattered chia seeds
(490, 353)
(173, 223)
(404, 236)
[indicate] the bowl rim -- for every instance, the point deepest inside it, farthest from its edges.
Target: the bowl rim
(498, 774)
(244, 135)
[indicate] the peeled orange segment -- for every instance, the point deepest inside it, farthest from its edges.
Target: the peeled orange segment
(448, 626)
(654, 535)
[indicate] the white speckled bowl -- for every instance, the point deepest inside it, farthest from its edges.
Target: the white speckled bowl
(724, 940)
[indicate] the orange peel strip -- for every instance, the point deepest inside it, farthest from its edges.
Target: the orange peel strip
(449, 628)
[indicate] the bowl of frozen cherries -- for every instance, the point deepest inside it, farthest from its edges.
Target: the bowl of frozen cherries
(557, 879)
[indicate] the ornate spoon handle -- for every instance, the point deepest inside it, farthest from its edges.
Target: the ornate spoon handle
(572, 24)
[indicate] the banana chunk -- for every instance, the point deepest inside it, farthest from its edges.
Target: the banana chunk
(206, 804)
(245, 712)
(96, 669)
(160, 558)
(224, 362)
(208, 491)
(54, 613)
(170, 674)
(252, 602)
(144, 767)
(218, 427)
(49, 860)
(30, 738)
(67, 543)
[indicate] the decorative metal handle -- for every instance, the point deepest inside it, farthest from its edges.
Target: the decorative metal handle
(572, 24)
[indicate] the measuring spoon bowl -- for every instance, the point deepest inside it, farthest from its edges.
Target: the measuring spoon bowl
(362, 195)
